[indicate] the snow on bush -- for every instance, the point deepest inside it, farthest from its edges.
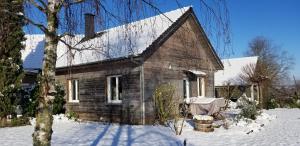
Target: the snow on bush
(249, 125)
(248, 108)
(60, 118)
(243, 116)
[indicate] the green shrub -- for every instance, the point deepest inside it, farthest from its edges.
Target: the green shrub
(295, 101)
(272, 103)
(248, 108)
(30, 102)
(165, 104)
(20, 121)
(59, 101)
(72, 115)
(289, 102)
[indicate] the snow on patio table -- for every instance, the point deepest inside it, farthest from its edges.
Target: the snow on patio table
(284, 130)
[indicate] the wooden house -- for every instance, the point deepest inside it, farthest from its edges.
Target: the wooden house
(116, 82)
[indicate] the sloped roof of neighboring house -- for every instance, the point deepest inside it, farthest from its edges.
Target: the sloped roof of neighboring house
(116, 42)
(133, 39)
(233, 68)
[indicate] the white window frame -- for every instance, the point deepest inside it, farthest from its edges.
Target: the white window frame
(71, 90)
(109, 100)
(202, 88)
(187, 88)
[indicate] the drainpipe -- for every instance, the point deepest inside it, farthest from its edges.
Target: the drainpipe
(142, 88)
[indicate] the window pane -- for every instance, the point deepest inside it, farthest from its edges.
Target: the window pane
(200, 86)
(184, 89)
(77, 89)
(74, 90)
(120, 88)
(203, 86)
(113, 88)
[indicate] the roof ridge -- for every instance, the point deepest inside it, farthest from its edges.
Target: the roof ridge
(114, 42)
(183, 10)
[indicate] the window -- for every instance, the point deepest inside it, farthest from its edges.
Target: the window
(73, 91)
(114, 89)
(186, 88)
(201, 86)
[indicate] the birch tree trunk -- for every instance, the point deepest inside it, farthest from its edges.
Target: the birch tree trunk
(43, 128)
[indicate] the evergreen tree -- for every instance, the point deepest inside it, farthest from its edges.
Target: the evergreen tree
(11, 37)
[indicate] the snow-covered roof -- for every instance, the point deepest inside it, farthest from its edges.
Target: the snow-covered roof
(116, 42)
(197, 72)
(233, 68)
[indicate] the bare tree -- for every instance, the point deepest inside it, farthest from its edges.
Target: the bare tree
(271, 70)
(60, 20)
(251, 75)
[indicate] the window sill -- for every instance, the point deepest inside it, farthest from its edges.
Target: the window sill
(114, 103)
(74, 101)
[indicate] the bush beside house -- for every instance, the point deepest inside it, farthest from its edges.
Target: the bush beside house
(165, 103)
(11, 72)
(248, 108)
(30, 102)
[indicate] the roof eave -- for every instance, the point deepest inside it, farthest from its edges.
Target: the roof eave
(107, 61)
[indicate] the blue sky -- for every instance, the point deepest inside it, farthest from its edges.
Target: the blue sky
(277, 20)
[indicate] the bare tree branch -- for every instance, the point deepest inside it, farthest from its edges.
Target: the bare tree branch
(42, 2)
(111, 14)
(157, 9)
(74, 2)
(40, 26)
(34, 3)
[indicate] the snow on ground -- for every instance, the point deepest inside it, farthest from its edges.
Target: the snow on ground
(67, 132)
(282, 130)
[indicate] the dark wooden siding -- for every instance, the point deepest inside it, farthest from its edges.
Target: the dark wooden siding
(185, 50)
(93, 103)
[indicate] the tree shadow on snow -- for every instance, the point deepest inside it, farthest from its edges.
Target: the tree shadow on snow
(130, 140)
(117, 136)
(101, 135)
(144, 138)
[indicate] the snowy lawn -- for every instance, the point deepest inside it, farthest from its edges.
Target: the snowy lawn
(267, 130)
(282, 128)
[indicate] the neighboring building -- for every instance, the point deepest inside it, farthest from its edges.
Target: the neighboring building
(116, 81)
(29, 79)
(228, 82)
(32, 57)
